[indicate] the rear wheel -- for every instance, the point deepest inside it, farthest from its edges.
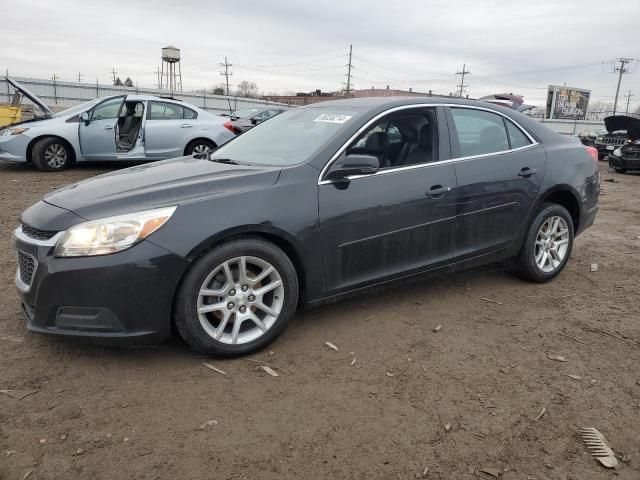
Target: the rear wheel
(51, 154)
(200, 148)
(237, 298)
(547, 245)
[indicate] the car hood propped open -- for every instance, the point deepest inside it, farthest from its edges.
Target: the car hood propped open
(615, 123)
(30, 95)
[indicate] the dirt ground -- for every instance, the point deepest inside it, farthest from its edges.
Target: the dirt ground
(415, 404)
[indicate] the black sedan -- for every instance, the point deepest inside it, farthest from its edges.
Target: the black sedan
(247, 118)
(319, 203)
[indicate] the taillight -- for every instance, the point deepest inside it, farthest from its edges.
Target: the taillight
(228, 126)
(594, 153)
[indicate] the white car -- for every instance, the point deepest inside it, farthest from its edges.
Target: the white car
(124, 127)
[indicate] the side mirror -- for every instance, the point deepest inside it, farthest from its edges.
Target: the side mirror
(348, 165)
(84, 116)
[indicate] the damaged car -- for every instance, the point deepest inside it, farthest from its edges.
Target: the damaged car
(615, 135)
(627, 157)
(124, 127)
(317, 204)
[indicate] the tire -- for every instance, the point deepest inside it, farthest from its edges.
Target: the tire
(200, 148)
(534, 246)
(199, 319)
(51, 154)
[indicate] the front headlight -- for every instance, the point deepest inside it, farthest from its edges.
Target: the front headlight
(599, 139)
(618, 152)
(112, 234)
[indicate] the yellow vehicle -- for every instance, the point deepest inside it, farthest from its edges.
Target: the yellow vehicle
(9, 115)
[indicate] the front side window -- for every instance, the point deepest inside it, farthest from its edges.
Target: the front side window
(400, 139)
(107, 109)
(479, 132)
(165, 111)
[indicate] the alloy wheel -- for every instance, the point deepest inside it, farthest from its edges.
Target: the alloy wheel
(240, 300)
(552, 244)
(201, 150)
(55, 155)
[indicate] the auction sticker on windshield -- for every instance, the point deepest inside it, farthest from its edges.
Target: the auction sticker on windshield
(332, 118)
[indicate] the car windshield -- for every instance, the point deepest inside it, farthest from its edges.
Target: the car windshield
(287, 139)
(246, 112)
(78, 108)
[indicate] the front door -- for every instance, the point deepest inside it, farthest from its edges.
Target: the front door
(167, 129)
(395, 222)
(98, 136)
(499, 169)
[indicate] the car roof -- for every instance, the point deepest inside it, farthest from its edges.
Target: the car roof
(390, 102)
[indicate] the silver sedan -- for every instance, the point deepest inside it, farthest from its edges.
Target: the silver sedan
(125, 127)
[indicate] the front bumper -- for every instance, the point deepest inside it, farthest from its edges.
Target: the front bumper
(621, 163)
(13, 148)
(123, 298)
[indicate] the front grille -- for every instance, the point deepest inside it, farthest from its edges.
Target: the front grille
(26, 267)
(613, 141)
(36, 233)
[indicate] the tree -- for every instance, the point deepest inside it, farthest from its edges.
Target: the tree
(128, 82)
(118, 82)
(247, 89)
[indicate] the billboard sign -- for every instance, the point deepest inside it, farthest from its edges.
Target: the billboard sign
(567, 103)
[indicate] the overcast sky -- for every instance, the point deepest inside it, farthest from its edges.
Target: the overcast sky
(508, 46)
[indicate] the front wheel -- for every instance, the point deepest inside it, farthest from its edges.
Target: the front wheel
(236, 298)
(51, 155)
(200, 148)
(547, 245)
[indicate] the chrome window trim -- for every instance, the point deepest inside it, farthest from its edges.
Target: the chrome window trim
(20, 235)
(335, 156)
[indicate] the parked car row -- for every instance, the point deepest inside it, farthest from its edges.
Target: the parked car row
(123, 127)
(246, 118)
(316, 204)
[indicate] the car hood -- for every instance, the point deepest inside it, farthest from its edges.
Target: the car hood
(152, 185)
(619, 122)
(31, 96)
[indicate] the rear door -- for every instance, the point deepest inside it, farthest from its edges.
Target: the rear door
(167, 129)
(98, 136)
(499, 169)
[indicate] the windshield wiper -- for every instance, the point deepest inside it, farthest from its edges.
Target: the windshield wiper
(224, 160)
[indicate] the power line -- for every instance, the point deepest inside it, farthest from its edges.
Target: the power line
(349, 76)
(621, 70)
(463, 73)
(226, 71)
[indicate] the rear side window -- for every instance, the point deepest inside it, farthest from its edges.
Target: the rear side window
(479, 132)
(170, 111)
(517, 139)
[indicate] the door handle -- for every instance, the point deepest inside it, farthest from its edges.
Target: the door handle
(108, 128)
(526, 172)
(186, 125)
(437, 191)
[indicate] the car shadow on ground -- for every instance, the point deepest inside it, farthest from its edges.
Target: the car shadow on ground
(329, 316)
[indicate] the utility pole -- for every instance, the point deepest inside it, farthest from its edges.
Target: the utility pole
(79, 77)
(621, 70)
(158, 75)
(349, 71)
(113, 71)
(628, 97)
(463, 73)
(226, 72)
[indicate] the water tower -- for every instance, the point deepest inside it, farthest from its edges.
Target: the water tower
(171, 75)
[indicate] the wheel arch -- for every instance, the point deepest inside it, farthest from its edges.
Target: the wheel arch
(35, 140)
(567, 196)
(280, 238)
(193, 140)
